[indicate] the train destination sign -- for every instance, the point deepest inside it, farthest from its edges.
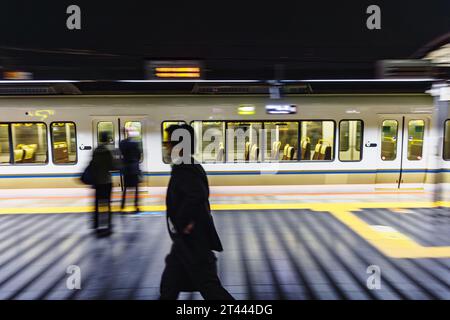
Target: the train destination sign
(281, 109)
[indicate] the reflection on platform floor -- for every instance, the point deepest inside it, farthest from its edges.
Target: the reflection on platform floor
(271, 254)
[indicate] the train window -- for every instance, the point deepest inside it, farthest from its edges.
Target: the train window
(317, 140)
(165, 138)
(210, 136)
(133, 130)
(5, 153)
(281, 141)
(416, 130)
(446, 153)
(350, 139)
(64, 142)
(108, 127)
(243, 141)
(30, 142)
(389, 133)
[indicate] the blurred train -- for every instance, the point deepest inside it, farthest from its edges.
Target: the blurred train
(357, 140)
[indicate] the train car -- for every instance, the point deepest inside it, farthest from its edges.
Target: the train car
(370, 140)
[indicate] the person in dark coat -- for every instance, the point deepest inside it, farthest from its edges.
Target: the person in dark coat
(191, 264)
(101, 166)
(131, 156)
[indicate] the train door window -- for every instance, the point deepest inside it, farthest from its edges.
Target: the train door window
(64, 142)
(5, 152)
(416, 130)
(243, 141)
(133, 130)
(317, 140)
(165, 138)
(105, 133)
(30, 142)
(281, 141)
(210, 137)
(350, 139)
(389, 133)
(446, 153)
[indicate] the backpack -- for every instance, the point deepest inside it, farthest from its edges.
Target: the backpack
(87, 176)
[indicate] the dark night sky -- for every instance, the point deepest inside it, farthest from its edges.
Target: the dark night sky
(325, 35)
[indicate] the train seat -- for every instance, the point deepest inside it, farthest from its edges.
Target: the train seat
(18, 155)
(285, 151)
(325, 153)
(317, 151)
(290, 153)
(306, 150)
(275, 153)
(28, 152)
(247, 151)
(254, 153)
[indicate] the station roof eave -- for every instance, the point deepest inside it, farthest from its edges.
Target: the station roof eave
(214, 87)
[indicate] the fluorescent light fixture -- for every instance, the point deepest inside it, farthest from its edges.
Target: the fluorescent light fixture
(177, 75)
(178, 69)
(190, 80)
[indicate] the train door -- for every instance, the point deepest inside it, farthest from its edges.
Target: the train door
(403, 151)
(112, 130)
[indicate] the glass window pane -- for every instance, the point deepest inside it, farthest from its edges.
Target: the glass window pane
(5, 155)
(317, 140)
(447, 141)
(416, 129)
(210, 137)
(344, 137)
(243, 141)
(281, 141)
(105, 133)
(350, 132)
(165, 138)
(133, 129)
(359, 134)
(64, 142)
(389, 133)
(30, 142)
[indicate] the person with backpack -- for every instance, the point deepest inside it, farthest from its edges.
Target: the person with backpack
(100, 171)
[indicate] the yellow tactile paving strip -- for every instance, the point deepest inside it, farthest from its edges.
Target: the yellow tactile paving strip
(391, 243)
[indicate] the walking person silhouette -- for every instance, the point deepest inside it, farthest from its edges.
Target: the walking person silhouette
(191, 264)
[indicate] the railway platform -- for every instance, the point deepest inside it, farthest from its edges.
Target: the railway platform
(277, 246)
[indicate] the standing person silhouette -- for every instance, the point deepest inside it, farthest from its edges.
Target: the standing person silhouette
(191, 263)
(101, 166)
(131, 156)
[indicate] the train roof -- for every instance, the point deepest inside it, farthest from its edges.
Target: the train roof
(214, 87)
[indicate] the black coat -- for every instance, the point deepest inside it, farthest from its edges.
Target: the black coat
(131, 156)
(187, 201)
(102, 164)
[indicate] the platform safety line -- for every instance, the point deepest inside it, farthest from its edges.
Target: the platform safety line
(393, 244)
(349, 206)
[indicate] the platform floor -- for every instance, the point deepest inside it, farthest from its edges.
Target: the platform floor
(80, 200)
(306, 253)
